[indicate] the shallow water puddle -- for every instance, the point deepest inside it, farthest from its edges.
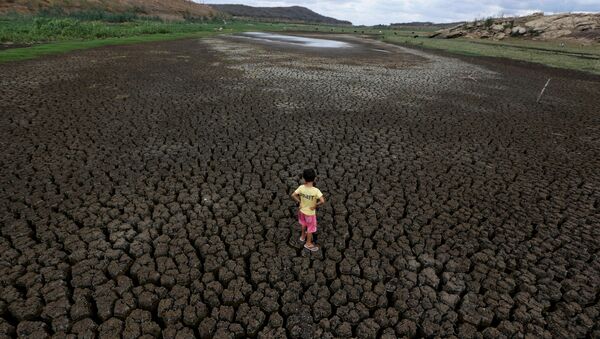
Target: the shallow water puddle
(297, 40)
(381, 50)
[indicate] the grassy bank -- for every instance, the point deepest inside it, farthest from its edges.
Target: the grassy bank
(24, 53)
(571, 55)
(31, 30)
(43, 30)
(45, 35)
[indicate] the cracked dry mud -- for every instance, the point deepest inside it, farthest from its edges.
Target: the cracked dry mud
(144, 192)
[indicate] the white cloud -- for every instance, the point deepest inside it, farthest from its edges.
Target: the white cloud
(371, 12)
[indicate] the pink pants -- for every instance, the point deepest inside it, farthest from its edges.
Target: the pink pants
(308, 221)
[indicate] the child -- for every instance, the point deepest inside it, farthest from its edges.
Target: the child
(309, 197)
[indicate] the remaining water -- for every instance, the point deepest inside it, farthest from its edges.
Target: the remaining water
(297, 40)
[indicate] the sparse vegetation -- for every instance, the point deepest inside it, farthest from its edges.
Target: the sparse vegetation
(489, 22)
(171, 9)
(95, 14)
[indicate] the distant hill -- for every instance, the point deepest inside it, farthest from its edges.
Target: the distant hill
(289, 14)
(166, 9)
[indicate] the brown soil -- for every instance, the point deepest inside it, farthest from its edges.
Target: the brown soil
(11, 45)
(144, 190)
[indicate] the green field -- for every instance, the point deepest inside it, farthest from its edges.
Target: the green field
(43, 35)
(52, 34)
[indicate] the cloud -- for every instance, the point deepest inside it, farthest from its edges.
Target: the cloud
(371, 12)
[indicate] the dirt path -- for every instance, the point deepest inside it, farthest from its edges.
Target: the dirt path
(144, 190)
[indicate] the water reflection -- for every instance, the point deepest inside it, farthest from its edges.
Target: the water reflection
(297, 40)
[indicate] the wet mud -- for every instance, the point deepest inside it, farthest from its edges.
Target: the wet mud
(144, 191)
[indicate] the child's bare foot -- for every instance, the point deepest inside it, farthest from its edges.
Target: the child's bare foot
(311, 247)
(302, 239)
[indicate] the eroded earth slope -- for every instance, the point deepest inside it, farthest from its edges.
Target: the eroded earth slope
(144, 191)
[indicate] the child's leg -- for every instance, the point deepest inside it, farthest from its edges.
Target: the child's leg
(311, 228)
(302, 222)
(309, 238)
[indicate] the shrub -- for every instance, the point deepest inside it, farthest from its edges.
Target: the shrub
(489, 22)
(55, 27)
(101, 15)
(52, 12)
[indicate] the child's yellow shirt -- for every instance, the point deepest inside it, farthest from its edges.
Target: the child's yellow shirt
(308, 198)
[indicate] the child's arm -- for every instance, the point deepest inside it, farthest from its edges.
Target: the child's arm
(319, 203)
(295, 197)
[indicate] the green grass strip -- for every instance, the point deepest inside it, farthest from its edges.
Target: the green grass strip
(15, 54)
(524, 51)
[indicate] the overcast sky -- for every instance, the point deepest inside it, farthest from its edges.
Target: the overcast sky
(371, 12)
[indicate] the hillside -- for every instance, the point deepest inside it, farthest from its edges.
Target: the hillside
(291, 14)
(166, 9)
(585, 27)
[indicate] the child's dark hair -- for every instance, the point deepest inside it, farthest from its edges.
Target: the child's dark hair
(309, 175)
